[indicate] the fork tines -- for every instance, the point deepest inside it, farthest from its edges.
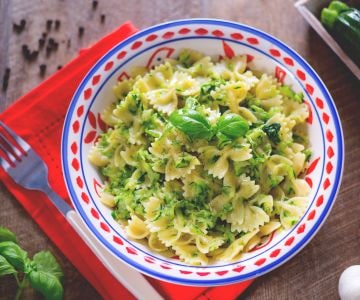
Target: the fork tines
(12, 147)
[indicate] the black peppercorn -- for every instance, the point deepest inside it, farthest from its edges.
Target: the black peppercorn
(33, 55)
(48, 50)
(6, 78)
(48, 24)
(25, 52)
(57, 24)
(42, 68)
(41, 43)
(18, 28)
(81, 31)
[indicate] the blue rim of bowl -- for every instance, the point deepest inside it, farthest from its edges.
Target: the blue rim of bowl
(237, 278)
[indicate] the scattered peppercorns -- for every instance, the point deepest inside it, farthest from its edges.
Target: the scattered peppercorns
(52, 45)
(19, 28)
(33, 55)
(28, 54)
(49, 44)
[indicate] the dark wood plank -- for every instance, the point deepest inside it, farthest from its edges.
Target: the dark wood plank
(314, 272)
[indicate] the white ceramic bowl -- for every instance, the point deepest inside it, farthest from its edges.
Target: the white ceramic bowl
(212, 37)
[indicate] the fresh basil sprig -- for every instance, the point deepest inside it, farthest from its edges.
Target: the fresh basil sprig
(43, 272)
(229, 126)
(192, 123)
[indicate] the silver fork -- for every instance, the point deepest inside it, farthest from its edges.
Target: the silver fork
(27, 169)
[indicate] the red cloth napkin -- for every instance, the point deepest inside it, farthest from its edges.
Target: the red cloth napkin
(38, 117)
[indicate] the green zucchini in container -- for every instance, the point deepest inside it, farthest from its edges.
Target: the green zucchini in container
(343, 22)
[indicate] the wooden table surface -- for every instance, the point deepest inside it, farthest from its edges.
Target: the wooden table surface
(314, 272)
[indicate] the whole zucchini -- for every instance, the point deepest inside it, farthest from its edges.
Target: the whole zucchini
(344, 23)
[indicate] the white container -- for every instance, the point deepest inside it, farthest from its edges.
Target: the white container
(310, 10)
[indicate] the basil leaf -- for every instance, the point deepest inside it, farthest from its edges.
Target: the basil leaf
(232, 125)
(47, 284)
(46, 275)
(45, 261)
(192, 123)
(7, 235)
(14, 254)
(5, 267)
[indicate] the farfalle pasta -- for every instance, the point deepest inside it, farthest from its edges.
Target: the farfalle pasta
(203, 158)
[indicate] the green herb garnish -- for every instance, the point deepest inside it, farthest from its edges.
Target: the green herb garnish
(232, 125)
(42, 273)
(192, 123)
(229, 126)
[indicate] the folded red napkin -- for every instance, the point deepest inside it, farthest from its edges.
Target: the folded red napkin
(38, 117)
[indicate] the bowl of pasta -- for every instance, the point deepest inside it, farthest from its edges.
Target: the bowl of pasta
(202, 152)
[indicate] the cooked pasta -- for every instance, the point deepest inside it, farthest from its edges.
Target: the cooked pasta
(203, 159)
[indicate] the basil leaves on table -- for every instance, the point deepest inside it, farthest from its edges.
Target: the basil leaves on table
(5, 267)
(229, 126)
(43, 273)
(46, 276)
(7, 235)
(12, 252)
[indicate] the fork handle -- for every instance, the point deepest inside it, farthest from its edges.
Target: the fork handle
(57, 200)
(129, 277)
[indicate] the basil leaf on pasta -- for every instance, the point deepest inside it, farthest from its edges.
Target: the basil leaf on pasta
(191, 123)
(232, 125)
